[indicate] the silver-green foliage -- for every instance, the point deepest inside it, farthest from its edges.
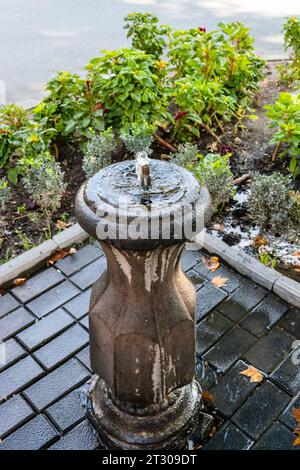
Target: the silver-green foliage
(214, 172)
(187, 154)
(98, 152)
(270, 204)
(5, 193)
(138, 137)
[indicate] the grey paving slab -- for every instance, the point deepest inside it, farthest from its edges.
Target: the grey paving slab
(84, 357)
(14, 322)
(7, 304)
(278, 437)
(196, 279)
(79, 306)
(207, 299)
(45, 329)
(82, 437)
(291, 322)
(38, 284)
(85, 322)
(206, 375)
(88, 275)
(84, 256)
(233, 278)
(53, 298)
(189, 258)
(229, 437)
(34, 435)
(210, 329)
(14, 412)
(55, 385)
(10, 352)
(287, 417)
(19, 376)
(287, 375)
(62, 348)
(67, 412)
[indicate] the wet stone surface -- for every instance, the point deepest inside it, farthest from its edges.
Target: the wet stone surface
(44, 325)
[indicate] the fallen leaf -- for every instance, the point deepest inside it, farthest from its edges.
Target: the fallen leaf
(259, 241)
(297, 254)
(254, 374)
(297, 270)
(20, 281)
(219, 227)
(219, 281)
(61, 225)
(207, 397)
(297, 440)
(296, 415)
(213, 147)
(58, 255)
(72, 251)
(212, 263)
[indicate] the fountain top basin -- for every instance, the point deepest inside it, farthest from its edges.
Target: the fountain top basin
(113, 200)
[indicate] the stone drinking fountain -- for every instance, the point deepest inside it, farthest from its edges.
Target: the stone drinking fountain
(142, 309)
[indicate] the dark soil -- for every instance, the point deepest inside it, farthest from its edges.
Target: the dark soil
(24, 224)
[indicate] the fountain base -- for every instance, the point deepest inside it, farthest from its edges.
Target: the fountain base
(130, 427)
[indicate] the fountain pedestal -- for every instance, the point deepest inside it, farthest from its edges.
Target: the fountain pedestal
(142, 309)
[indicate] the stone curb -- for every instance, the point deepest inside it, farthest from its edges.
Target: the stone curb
(34, 259)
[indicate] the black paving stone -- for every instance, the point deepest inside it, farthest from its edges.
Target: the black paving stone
(15, 322)
(291, 322)
(36, 434)
(206, 375)
(232, 390)
(88, 275)
(45, 329)
(14, 412)
(197, 280)
(261, 409)
(7, 304)
(85, 322)
(38, 284)
(233, 279)
(209, 330)
(63, 347)
(229, 437)
(246, 297)
(287, 375)
(10, 352)
(270, 350)
(79, 306)
(53, 299)
(278, 437)
(189, 258)
(264, 316)
(84, 357)
(207, 299)
(82, 437)
(287, 417)
(19, 376)
(84, 256)
(229, 349)
(67, 412)
(56, 384)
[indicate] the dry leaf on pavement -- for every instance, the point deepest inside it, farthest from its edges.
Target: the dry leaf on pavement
(212, 263)
(296, 415)
(219, 281)
(58, 255)
(253, 373)
(207, 397)
(19, 281)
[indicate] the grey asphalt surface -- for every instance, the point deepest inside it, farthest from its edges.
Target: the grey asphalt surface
(40, 37)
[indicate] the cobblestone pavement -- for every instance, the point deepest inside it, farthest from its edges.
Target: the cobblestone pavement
(45, 360)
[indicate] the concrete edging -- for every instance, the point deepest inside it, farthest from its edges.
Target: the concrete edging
(286, 288)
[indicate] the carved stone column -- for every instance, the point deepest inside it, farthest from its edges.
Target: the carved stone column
(142, 309)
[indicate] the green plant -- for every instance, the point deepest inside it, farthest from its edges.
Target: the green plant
(44, 182)
(266, 259)
(284, 117)
(131, 87)
(214, 172)
(71, 108)
(186, 155)
(138, 137)
(27, 244)
(98, 151)
(291, 71)
(146, 34)
(270, 203)
(13, 116)
(5, 193)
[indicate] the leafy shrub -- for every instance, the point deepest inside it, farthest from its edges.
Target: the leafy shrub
(270, 202)
(138, 137)
(284, 116)
(145, 33)
(44, 182)
(130, 84)
(5, 193)
(13, 116)
(291, 71)
(186, 155)
(98, 151)
(214, 172)
(70, 108)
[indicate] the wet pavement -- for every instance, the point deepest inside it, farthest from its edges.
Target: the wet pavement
(44, 358)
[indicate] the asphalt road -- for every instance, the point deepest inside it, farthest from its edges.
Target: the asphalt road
(39, 37)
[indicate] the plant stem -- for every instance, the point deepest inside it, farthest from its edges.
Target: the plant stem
(210, 131)
(165, 144)
(277, 148)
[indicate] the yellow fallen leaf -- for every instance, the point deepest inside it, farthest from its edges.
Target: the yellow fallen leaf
(219, 281)
(212, 263)
(61, 225)
(259, 241)
(207, 397)
(296, 415)
(253, 373)
(297, 440)
(19, 281)
(58, 255)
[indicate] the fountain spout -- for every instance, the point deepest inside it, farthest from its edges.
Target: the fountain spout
(142, 169)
